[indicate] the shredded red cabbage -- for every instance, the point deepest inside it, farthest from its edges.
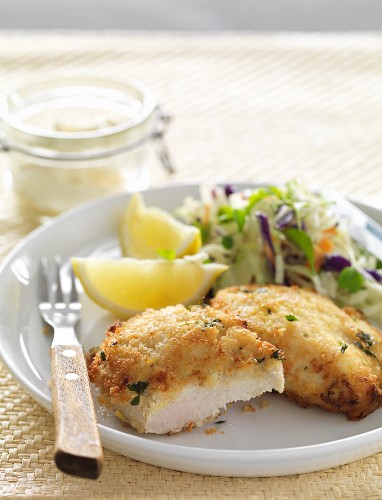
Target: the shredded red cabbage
(375, 274)
(267, 240)
(229, 189)
(284, 217)
(335, 263)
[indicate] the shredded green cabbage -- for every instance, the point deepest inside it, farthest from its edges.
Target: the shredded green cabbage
(287, 235)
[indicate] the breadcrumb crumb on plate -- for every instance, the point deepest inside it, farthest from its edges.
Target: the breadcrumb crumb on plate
(211, 430)
(249, 409)
(264, 404)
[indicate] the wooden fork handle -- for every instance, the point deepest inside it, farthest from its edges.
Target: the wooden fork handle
(78, 449)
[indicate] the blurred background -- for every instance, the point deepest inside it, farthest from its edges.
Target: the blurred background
(256, 89)
(201, 15)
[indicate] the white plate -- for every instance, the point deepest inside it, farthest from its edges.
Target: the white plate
(278, 440)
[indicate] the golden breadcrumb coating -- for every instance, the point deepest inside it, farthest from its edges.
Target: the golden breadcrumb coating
(333, 355)
(174, 354)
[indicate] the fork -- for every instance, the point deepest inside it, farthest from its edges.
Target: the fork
(77, 447)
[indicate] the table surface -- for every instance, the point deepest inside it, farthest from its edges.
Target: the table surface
(245, 107)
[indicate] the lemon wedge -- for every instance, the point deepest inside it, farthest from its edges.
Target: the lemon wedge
(127, 286)
(146, 230)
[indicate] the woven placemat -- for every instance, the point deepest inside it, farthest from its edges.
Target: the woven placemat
(246, 107)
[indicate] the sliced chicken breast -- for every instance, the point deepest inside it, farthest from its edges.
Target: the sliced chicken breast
(333, 355)
(175, 368)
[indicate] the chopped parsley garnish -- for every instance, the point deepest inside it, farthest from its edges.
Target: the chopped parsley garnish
(135, 401)
(344, 346)
(269, 311)
(212, 323)
(350, 279)
(228, 214)
(204, 229)
(366, 338)
(365, 343)
(225, 215)
(262, 193)
(138, 387)
(369, 353)
(278, 355)
(227, 242)
(239, 216)
(291, 317)
(167, 254)
(302, 240)
(220, 422)
(258, 290)
(102, 355)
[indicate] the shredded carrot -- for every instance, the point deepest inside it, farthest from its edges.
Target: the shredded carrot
(206, 215)
(269, 253)
(318, 263)
(330, 231)
(325, 245)
(318, 258)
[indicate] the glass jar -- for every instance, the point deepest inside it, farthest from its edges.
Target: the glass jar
(73, 140)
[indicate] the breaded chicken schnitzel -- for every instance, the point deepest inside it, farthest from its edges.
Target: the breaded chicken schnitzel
(333, 355)
(174, 368)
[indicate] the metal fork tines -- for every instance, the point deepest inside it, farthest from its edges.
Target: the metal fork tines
(61, 314)
(77, 448)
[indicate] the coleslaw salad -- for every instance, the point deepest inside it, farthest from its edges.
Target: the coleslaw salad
(291, 235)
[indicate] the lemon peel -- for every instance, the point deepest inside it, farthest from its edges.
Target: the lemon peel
(145, 230)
